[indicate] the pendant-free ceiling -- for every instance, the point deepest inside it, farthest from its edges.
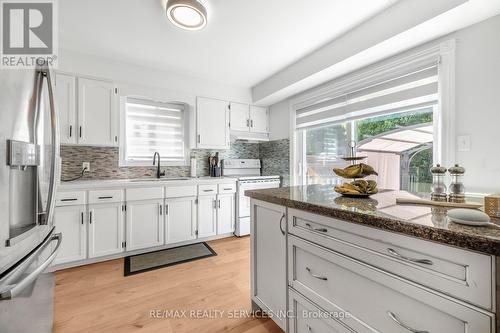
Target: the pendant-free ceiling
(187, 14)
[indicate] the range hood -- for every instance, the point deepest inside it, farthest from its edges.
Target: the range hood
(248, 136)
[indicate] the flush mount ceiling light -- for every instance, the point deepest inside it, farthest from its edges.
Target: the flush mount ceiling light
(187, 14)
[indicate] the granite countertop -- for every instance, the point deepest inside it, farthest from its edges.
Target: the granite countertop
(141, 182)
(381, 211)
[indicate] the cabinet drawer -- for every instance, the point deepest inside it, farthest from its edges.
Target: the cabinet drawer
(378, 301)
(307, 317)
(144, 193)
(207, 189)
(227, 188)
(103, 196)
(181, 191)
(456, 272)
(70, 198)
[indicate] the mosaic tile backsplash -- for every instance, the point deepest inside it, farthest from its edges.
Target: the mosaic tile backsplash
(104, 161)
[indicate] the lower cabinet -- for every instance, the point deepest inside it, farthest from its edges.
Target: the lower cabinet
(268, 259)
(225, 214)
(180, 219)
(71, 221)
(105, 229)
(144, 224)
(207, 216)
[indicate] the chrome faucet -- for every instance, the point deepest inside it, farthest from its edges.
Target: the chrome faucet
(158, 172)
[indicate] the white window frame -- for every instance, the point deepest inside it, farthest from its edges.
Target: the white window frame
(444, 115)
(123, 139)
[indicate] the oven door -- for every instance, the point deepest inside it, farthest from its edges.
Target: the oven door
(243, 202)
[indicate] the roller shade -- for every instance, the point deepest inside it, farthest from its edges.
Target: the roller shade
(416, 88)
(154, 127)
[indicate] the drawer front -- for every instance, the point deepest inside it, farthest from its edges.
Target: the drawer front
(227, 188)
(307, 317)
(70, 198)
(459, 273)
(104, 196)
(181, 191)
(144, 193)
(379, 301)
(207, 189)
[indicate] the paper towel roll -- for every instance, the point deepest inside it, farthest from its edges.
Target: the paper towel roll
(193, 167)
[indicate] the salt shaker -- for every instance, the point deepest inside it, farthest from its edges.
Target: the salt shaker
(438, 185)
(457, 188)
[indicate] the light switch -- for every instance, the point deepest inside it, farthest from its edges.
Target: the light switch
(463, 143)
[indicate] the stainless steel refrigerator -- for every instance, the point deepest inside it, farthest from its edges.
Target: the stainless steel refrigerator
(29, 169)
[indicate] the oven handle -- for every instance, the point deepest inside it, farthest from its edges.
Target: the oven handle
(13, 290)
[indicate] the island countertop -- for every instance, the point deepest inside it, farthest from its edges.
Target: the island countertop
(381, 211)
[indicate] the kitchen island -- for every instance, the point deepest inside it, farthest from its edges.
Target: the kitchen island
(326, 263)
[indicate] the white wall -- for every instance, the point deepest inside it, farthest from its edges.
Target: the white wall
(134, 79)
(477, 104)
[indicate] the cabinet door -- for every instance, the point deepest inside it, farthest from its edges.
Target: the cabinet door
(212, 123)
(268, 258)
(66, 105)
(96, 112)
(206, 216)
(240, 117)
(71, 222)
(144, 224)
(225, 214)
(105, 229)
(180, 219)
(258, 119)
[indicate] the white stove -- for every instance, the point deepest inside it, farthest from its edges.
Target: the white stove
(248, 175)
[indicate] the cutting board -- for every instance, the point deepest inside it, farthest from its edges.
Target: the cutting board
(406, 201)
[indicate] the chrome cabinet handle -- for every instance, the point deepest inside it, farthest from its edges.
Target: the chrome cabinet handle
(13, 290)
(161, 210)
(166, 209)
(208, 190)
(80, 131)
(316, 229)
(218, 203)
(324, 278)
(251, 123)
(406, 327)
(393, 253)
(70, 130)
(69, 199)
(90, 217)
(107, 197)
(281, 221)
(82, 218)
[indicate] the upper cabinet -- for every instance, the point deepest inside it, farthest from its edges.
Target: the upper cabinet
(248, 118)
(212, 123)
(96, 112)
(88, 112)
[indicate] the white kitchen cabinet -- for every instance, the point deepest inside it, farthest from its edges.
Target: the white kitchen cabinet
(97, 120)
(106, 222)
(71, 221)
(239, 115)
(144, 224)
(207, 216)
(268, 259)
(225, 214)
(65, 90)
(259, 119)
(212, 123)
(180, 219)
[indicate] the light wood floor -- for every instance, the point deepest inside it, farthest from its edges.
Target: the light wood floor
(98, 298)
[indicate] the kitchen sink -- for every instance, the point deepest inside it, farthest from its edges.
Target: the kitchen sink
(158, 179)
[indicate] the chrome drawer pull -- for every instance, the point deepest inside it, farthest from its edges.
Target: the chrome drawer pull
(281, 221)
(69, 199)
(393, 253)
(408, 328)
(316, 229)
(227, 189)
(324, 278)
(106, 197)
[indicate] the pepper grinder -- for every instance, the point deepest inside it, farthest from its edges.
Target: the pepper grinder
(438, 185)
(457, 188)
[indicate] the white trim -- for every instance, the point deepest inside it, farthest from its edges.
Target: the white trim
(444, 51)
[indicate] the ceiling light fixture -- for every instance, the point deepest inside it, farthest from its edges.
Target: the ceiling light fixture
(187, 14)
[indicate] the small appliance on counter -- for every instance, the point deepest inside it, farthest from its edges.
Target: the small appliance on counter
(214, 166)
(249, 177)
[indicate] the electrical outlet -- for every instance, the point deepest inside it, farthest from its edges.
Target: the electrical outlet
(86, 165)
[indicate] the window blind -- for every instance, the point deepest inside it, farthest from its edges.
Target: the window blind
(154, 127)
(417, 88)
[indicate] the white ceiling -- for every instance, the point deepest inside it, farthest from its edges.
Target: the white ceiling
(245, 42)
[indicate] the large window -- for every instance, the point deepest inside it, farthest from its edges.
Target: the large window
(151, 127)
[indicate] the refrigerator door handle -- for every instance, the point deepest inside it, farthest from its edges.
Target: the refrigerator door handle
(13, 290)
